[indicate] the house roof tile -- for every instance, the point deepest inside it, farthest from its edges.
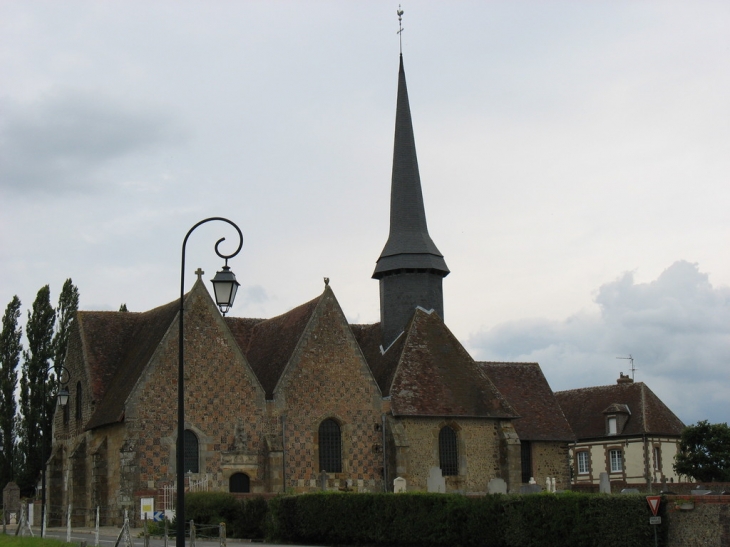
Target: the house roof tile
(585, 410)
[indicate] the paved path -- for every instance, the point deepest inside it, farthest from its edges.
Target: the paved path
(108, 536)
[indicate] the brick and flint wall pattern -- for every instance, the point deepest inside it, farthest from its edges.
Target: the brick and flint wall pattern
(327, 377)
(220, 389)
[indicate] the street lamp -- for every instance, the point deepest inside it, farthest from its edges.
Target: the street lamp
(62, 397)
(224, 287)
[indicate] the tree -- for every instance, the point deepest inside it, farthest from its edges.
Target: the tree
(10, 349)
(123, 307)
(704, 452)
(68, 304)
(36, 387)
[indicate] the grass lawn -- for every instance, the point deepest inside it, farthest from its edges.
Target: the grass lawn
(13, 541)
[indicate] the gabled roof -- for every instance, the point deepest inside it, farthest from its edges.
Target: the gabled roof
(436, 376)
(383, 363)
(117, 346)
(584, 408)
(527, 390)
(269, 344)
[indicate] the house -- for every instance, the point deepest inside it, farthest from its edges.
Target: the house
(303, 401)
(624, 430)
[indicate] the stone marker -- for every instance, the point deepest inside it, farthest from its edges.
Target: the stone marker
(436, 481)
(530, 489)
(399, 485)
(605, 486)
(11, 499)
(497, 486)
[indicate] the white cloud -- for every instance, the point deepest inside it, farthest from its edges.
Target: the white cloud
(676, 327)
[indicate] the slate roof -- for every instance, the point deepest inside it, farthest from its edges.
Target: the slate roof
(268, 344)
(382, 365)
(118, 345)
(527, 390)
(436, 376)
(409, 245)
(584, 408)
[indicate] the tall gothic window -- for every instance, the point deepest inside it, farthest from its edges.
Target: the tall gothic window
(526, 453)
(79, 401)
(239, 482)
(330, 446)
(448, 452)
(191, 452)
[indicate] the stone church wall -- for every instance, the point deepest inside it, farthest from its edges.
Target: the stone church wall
(219, 390)
(550, 459)
(478, 450)
(329, 378)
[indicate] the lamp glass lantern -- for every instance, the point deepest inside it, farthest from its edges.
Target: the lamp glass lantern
(225, 287)
(63, 396)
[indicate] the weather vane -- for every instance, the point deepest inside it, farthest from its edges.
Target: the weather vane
(400, 28)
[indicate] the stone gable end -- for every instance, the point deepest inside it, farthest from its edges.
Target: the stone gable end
(220, 389)
(328, 377)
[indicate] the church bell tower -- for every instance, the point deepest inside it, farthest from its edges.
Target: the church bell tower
(410, 268)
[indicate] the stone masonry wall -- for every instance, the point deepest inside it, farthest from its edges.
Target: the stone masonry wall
(698, 521)
(329, 378)
(220, 389)
(550, 459)
(478, 446)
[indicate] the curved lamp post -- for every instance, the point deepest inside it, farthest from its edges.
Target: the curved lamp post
(224, 287)
(62, 396)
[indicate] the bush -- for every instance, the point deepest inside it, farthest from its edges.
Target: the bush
(243, 518)
(565, 520)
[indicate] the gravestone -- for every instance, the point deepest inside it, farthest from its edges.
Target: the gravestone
(323, 480)
(497, 486)
(530, 489)
(605, 486)
(399, 485)
(11, 500)
(436, 481)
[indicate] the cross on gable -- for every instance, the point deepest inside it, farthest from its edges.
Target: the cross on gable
(199, 273)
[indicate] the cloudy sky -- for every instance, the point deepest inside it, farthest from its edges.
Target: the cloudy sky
(575, 159)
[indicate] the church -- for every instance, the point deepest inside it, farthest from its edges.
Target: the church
(304, 401)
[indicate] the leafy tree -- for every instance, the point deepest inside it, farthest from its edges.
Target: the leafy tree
(704, 452)
(68, 304)
(37, 385)
(10, 348)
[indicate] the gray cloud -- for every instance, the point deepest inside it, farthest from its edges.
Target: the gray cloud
(676, 327)
(63, 141)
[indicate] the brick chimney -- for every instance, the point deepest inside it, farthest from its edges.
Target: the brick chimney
(624, 379)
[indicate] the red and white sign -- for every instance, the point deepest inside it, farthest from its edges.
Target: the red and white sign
(654, 502)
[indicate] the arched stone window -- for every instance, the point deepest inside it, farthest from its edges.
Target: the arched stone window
(79, 401)
(330, 446)
(239, 482)
(448, 451)
(191, 453)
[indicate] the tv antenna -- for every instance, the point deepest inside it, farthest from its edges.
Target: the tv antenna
(631, 359)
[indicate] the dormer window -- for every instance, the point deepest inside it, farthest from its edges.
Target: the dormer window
(612, 425)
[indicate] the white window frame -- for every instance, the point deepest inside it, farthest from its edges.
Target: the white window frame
(583, 462)
(657, 458)
(616, 460)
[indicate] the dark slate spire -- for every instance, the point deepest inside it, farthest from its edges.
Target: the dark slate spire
(410, 268)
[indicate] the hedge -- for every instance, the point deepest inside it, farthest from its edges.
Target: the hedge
(544, 520)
